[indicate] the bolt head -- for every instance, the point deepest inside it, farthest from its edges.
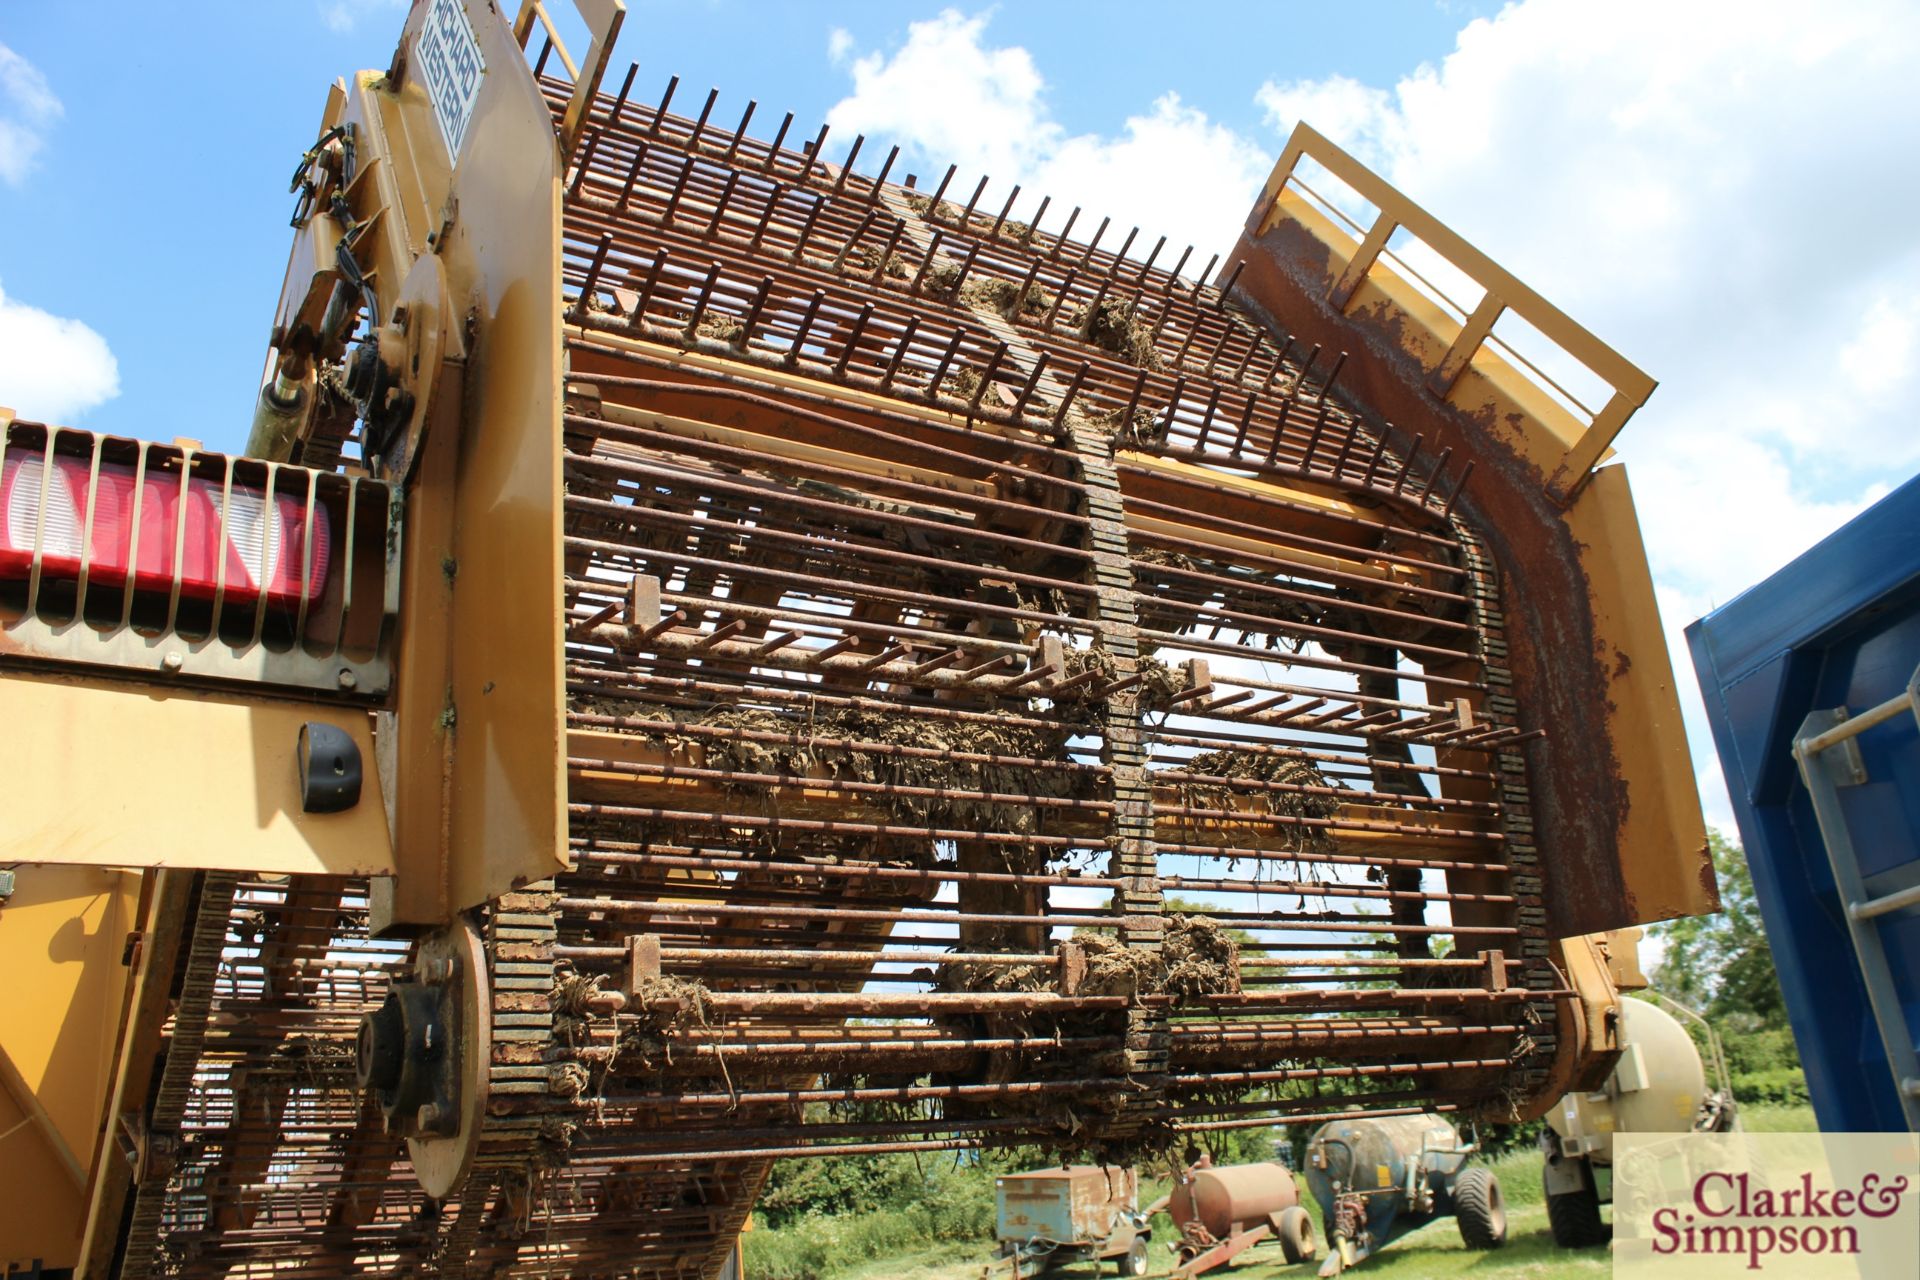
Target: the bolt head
(172, 663)
(347, 679)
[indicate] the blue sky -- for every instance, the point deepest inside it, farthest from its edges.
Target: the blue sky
(1722, 190)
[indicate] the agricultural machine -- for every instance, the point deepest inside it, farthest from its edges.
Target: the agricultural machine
(718, 649)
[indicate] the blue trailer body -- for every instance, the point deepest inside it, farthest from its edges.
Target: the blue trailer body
(1839, 627)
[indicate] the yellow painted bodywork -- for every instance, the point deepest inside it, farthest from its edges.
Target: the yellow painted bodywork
(111, 777)
(62, 935)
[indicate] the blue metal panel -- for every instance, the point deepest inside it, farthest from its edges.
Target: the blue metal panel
(1840, 626)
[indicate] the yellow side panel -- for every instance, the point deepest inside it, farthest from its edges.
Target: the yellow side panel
(117, 777)
(62, 934)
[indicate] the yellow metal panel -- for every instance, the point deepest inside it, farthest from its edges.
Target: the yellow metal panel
(1661, 834)
(113, 778)
(62, 934)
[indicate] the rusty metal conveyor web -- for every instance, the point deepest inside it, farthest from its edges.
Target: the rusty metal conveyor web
(1011, 701)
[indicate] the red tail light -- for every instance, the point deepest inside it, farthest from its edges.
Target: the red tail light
(263, 541)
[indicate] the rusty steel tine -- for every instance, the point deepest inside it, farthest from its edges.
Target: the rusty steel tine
(626, 86)
(966, 216)
(940, 192)
(1094, 243)
(816, 153)
(1458, 486)
(900, 349)
(1121, 256)
(740, 130)
(1039, 215)
(1326, 383)
(1306, 371)
(700, 125)
(1193, 332)
(1433, 473)
(1279, 362)
(776, 642)
(806, 323)
(1240, 371)
(846, 166)
(886, 254)
(633, 172)
(1313, 437)
(1206, 419)
(1033, 380)
(1201, 282)
(720, 205)
(1174, 276)
(774, 196)
(926, 264)
(718, 635)
(1030, 675)
(679, 187)
(1093, 308)
(1073, 389)
(666, 100)
(705, 297)
(1221, 301)
(1379, 451)
(581, 305)
(752, 318)
(993, 233)
(1246, 421)
(986, 378)
(859, 233)
(1140, 280)
(540, 63)
(1406, 464)
(806, 228)
(779, 142)
(1060, 298)
(646, 290)
(886, 168)
(940, 371)
(1060, 240)
(1133, 401)
(934, 664)
(886, 655)
(853, 340)
(988, 667)
(966, 266)
(1119, 686)
(834, 650)
(661, 627)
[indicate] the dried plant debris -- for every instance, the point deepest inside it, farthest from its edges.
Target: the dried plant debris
(942, 281)
(724, 328)
(961, 384)
(1006, 297)
(1115, 326)
(1142, 428)
(943, 791)
(1292, 772)
(1201, 958)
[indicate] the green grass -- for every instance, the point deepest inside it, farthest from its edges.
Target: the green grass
(945, 1238)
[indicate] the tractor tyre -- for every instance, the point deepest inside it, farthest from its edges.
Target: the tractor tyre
(1480, 1210)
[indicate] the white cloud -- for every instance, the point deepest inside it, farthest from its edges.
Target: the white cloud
(28, 109)
(1713, 188)
(1720, 190)
(345, 15)
(52, 369)
(949, 98)
(839, 45)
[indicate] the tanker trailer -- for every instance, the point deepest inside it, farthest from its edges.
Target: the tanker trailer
(704, 618)
(1381, 1177)
(1224, 1211)
(1658, 1086)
